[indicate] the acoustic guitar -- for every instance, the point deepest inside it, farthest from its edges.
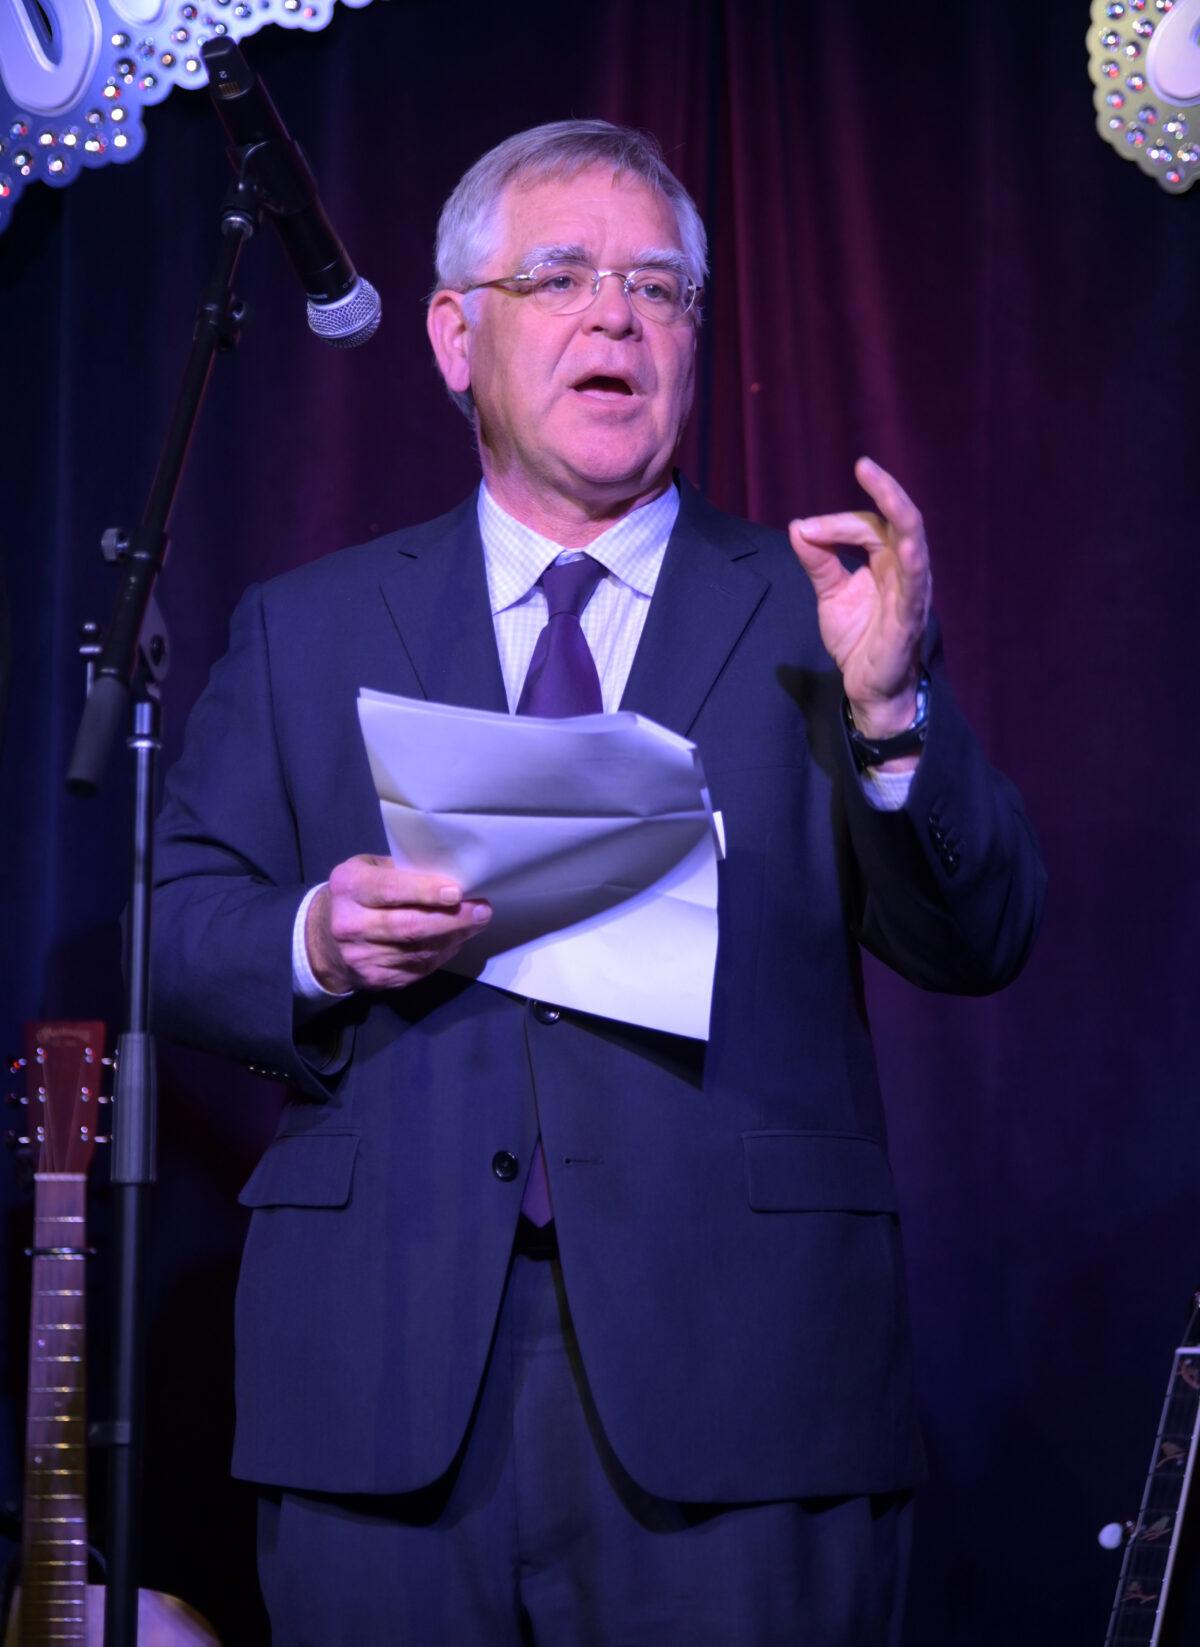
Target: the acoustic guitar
(64, 1064)
(1151, 1543)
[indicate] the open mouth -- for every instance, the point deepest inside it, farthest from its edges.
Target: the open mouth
(598, 384)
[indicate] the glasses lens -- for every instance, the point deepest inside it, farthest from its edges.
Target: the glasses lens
(562, 288)
(659, 294)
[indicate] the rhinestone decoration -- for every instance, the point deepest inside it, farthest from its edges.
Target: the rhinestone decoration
(129, 70)
(1155, 46)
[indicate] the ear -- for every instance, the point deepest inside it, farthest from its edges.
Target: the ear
(450, 334)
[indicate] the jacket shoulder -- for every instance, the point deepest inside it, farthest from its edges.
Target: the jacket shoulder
(344, 570)
(738, 538)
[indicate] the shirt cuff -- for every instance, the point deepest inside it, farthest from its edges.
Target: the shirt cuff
(304, 983)
(885, 791)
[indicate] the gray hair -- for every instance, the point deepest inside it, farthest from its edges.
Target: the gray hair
(467, 228)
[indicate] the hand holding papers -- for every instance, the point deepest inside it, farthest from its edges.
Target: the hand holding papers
(592, 838)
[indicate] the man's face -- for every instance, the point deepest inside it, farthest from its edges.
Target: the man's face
(589, 406)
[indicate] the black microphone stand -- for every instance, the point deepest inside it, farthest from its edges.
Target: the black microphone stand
(128, 668)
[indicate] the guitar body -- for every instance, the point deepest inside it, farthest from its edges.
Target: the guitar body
(162, 1622)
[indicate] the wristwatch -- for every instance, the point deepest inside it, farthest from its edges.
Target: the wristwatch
(874, 751)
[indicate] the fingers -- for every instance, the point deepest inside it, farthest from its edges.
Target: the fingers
(853, 526)
(378, 883)
(894, 540)
(864, 528)
(406, 927)
(886, 491)
(379, 926)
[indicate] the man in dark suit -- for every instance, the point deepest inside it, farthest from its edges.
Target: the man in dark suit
(551, 1328)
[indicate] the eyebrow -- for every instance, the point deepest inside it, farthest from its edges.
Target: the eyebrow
(646, 257)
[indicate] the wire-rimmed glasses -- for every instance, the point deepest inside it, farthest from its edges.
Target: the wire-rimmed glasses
(562, 286)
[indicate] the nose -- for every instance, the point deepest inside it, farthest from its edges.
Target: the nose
(611, 309)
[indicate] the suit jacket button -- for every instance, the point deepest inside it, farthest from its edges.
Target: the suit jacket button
(950, 859)
(504, 1165)
(546, 1014)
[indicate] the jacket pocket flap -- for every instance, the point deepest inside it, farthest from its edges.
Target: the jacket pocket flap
(311, 1169)
(817, 1172)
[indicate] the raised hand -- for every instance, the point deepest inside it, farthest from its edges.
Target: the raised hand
(379, 927)
(872, 619)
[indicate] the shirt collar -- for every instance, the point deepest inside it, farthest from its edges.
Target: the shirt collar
(516, 556)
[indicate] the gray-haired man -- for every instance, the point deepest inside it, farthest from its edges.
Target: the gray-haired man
(679, 1410)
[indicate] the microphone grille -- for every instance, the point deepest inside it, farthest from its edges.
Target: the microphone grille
(350, 320)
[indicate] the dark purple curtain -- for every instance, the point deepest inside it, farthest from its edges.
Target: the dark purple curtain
(921, 250)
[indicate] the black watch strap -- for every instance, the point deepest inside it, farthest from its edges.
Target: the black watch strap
(874, 751)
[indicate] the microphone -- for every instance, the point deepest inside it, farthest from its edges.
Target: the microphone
(342, 308)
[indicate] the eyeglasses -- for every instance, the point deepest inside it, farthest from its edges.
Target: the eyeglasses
(563, 287)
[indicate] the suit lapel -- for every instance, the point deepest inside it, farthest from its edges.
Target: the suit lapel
(436, 591)
(706, 594)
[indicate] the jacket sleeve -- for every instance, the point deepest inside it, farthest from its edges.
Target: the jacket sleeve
(228, 881)
(951, 886)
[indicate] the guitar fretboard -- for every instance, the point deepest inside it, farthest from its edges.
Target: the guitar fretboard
(54, 1549)
(1139, 1609)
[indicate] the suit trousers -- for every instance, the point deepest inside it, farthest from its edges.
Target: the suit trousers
(537, 1535)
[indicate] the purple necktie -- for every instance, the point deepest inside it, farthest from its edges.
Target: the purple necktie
(561, 680)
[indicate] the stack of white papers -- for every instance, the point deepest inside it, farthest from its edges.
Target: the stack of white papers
(592, 838)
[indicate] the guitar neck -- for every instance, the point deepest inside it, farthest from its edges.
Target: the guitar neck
(54, 1542)
(1139, 1610)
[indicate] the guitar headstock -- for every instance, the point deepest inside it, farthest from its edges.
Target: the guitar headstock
(64, 1066)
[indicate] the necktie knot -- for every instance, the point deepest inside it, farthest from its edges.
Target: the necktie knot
(569, 587)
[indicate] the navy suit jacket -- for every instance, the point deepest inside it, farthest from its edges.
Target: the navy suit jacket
(725, 1210)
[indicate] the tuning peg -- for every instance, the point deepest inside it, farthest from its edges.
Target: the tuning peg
(1114, 1534)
